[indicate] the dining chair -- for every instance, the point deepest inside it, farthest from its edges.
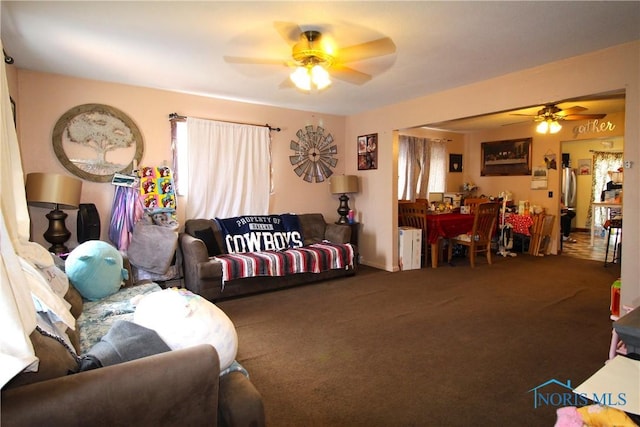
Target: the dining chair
(474, 202)
(478, 239)
(414, 215)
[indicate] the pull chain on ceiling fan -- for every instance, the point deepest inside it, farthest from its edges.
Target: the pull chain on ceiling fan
(314, 60)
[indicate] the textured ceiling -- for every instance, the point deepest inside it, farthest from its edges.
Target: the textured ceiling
(180, 45)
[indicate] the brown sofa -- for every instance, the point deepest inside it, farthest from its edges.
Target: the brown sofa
(203, 274)
(180, 387)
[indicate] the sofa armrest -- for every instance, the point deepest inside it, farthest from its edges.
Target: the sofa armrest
(173, 388)
(338, 233)
(193, 248)
(202, 275)
(240, 404)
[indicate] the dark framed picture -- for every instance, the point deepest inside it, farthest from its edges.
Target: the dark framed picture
(508, 157)
(368, 151)
(455, 162)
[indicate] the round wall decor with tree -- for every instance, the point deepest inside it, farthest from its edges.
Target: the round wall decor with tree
(314, 153)
(95, 141)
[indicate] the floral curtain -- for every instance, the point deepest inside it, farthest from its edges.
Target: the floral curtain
(603, 162)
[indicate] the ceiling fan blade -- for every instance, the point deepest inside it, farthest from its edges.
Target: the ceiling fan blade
(570, 111)
(522, 114)
(584, 116)
(259, 61)
(518, 123)
(349, 75)
(289, 31)
(286, 84)
(357, 52)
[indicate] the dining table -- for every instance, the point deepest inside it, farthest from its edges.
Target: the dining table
(520, 224)
(444, 226)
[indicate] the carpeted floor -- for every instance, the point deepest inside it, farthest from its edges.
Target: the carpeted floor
(452, 346)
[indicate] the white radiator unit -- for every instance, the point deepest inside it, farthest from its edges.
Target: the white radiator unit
(410, 248)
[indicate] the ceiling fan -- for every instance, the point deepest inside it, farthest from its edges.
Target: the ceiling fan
(550, 115)
(314, 58)
(553, 112)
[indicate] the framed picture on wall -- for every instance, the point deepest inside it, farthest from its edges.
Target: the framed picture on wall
(584, 166)
(508, 157)
(368, 151)
(95, 141)
(455, 162)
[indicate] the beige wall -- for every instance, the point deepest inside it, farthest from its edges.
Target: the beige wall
(596, 72)
(45, 97)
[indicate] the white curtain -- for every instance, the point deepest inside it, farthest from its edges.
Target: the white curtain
(229, 169)
(421, 167)
(437, 166)
(17, 312)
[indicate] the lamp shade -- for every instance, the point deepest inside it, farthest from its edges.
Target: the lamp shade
(342, 184)
(53, 191)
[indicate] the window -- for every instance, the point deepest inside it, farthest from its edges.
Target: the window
(223, 169)
(421, 167)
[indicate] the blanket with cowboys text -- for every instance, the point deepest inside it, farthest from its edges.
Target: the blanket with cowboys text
(252, 233)
(314, 258)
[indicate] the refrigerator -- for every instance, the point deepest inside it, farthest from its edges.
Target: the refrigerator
(569, 187)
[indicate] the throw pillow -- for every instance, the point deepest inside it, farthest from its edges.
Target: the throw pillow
(209, 239)
(95, 269)
(152, 247)
(183, 319)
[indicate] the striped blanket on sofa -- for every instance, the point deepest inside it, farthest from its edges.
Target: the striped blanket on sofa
(314, 258)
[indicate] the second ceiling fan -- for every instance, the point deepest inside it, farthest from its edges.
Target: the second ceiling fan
(314, 58)
(550, 115)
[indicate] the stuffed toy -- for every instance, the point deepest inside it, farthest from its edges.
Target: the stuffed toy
(184, 319)
(95, 269)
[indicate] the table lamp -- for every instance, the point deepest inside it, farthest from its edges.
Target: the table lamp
(57, 192)
(344, 184)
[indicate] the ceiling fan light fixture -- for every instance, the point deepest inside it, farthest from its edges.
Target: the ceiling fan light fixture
(543, 127)
(548, 126)
(320, 77)
(554, 127)
(306, 77)
(301, 78)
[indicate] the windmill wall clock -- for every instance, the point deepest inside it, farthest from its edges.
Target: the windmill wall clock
(314, 154)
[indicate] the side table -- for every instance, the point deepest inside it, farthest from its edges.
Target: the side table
(355, 228)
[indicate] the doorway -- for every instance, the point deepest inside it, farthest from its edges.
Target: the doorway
(589, 186)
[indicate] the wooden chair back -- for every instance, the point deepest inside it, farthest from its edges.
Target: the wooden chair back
(474, 202)
(413, 215)
(484, 222)
(484, 227)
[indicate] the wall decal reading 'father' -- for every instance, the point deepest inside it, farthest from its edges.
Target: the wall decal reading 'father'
(253, 233)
